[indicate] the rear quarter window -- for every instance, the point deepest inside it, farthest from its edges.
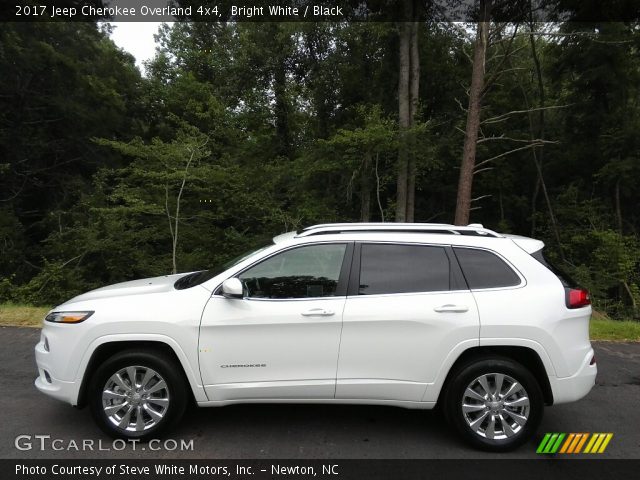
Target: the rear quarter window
(565, 279)
(484, 269)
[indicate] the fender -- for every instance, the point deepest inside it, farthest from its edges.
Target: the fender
(196, 387)
(432, 391)
(523, 342)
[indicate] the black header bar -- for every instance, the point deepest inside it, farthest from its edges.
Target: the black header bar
(119, 469)
(317, 10)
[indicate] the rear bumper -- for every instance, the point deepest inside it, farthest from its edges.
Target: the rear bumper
(575, 387)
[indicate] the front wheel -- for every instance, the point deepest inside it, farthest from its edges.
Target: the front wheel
(494, 403)
(137, 394)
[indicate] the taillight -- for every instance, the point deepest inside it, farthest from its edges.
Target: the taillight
(577, 297)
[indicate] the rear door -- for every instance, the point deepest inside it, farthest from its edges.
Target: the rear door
(408, 307)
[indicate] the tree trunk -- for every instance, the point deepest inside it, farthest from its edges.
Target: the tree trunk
(534, 203)
(408, 94)
(414, 91)
(365, 189)
(538, 156)
(618, 207)
(404, 120)
(378, 189)
(281, 108)
(463, 201)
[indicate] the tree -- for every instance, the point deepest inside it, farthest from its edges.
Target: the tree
(61, 83)
(300, 128)
(161, 166)
(408, 96)
(465, 182)
(362, 148)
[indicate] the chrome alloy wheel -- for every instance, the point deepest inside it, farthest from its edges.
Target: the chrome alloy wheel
(495, 406)
(135, 398)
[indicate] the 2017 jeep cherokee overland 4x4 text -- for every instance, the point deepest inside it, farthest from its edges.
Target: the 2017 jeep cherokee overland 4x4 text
(412, 315)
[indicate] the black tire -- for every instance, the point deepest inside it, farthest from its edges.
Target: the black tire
(454, 397)
(169, 371)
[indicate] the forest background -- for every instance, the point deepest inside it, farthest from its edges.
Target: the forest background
(238, 131)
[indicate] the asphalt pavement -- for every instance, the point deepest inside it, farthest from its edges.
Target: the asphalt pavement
(300, 431)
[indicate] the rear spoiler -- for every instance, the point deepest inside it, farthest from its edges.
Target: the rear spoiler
(529, 245)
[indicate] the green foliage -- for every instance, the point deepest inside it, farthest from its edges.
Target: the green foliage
(61, 85)
(254, 129)
(609, 268)
(7, 289)
(53, 282)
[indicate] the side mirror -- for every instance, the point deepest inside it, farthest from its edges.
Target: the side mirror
(232, 288)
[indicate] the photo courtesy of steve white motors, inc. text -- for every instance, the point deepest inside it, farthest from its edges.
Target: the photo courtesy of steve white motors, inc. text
(168, 469)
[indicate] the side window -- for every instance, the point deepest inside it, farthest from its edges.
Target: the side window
(565, 279)
(386, 268)
(310, 271)
(483, 269)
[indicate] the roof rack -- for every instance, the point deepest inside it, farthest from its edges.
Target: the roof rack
(474, 229)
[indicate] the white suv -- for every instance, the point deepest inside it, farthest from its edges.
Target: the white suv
(411, 315)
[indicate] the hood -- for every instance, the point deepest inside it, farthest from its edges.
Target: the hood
(134, 287)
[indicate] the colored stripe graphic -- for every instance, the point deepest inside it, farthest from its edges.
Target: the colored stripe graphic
(578, 440)
(581, 443)
(550, 443)
(606, 442)
(572, 443)
(567, 442)
(598, 443)
(556, 445)
(592, 440)
(543, 443)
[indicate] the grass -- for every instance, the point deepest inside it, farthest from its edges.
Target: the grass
(601, 327)
(21, 315)
(604, 328)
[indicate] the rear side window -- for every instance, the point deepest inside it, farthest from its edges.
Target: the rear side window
(565, 279)
(483, 269)
(386, 268)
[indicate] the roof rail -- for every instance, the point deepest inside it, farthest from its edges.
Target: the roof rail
(475, 229)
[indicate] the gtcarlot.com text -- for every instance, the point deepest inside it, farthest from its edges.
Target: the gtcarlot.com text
(47, 443)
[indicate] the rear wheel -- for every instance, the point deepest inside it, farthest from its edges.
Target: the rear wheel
(137, 394)
(494, 403)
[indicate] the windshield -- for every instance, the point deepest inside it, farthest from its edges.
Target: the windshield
(202, 276)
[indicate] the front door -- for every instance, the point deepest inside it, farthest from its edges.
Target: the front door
(281, 340)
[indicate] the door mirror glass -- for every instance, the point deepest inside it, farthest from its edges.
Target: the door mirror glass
(232, 288)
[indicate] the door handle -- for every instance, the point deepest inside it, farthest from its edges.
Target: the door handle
(317, 312)
(452, 308)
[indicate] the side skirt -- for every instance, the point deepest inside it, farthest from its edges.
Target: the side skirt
(335, 401)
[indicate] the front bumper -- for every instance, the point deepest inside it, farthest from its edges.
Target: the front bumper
(47, 382)
(577, 386)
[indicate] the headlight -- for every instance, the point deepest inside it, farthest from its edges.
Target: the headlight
(68, 317)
